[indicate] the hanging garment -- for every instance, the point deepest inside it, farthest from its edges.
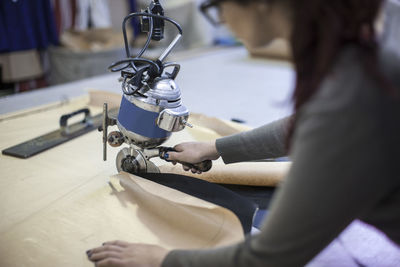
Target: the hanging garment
(3, 33)
(92, 13)
(26, 25)
(64, 11)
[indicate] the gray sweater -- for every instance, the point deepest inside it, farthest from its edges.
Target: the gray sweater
(345, 153)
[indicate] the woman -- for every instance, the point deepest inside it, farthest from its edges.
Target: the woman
(343, 139)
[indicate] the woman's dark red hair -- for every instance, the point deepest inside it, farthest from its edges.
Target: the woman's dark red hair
(321, 29)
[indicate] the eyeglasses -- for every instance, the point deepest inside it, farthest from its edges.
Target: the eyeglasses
(211, 10)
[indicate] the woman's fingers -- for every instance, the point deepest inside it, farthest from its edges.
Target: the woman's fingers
(185, 152)
(98, 256)
(105, 248)
(179, 147)
(172, 156)
(112, 254)
(117, 243)
(111, 249)
(175, 155)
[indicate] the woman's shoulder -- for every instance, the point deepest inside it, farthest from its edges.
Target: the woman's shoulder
(354, 68)
(352, 83)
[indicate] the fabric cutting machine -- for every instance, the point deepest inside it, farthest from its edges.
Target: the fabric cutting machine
(151, 106)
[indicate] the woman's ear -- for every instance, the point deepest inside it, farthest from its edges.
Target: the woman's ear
(263, 7)
(265, 13)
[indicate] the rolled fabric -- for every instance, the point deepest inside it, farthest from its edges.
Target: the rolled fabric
(221, 127)
(244, 173)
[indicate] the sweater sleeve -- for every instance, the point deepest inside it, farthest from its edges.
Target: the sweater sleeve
(336, 176)
(265, 142)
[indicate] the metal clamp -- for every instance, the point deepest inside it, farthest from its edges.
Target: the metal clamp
(107, 121)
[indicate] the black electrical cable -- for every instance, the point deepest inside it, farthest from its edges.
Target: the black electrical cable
(158, 66)
(146, 45)
(128, 60)
(132, 15)
(127, 50)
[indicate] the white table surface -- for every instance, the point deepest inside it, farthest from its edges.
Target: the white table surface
(225, 83)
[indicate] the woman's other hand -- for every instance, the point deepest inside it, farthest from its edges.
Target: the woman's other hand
(124, 254)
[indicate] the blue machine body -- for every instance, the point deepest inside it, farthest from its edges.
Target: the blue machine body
(140, 121)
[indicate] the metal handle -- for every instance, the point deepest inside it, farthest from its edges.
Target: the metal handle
(201, 166)
(64, 119)
(174, 72)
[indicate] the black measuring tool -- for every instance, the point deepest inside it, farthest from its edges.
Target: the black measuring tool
(63, 134)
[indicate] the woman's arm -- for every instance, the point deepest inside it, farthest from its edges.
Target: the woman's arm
(265, 142)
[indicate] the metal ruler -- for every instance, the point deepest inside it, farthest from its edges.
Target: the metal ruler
(63, 134)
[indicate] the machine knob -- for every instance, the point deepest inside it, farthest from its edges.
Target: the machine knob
(115, 139)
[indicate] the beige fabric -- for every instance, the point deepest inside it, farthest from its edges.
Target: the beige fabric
(137, 211)
(97, 98)
(244, 173)
(221, 127)
(59, 203)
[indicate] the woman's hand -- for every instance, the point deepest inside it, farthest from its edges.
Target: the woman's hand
(123, 254)
(193, 152)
